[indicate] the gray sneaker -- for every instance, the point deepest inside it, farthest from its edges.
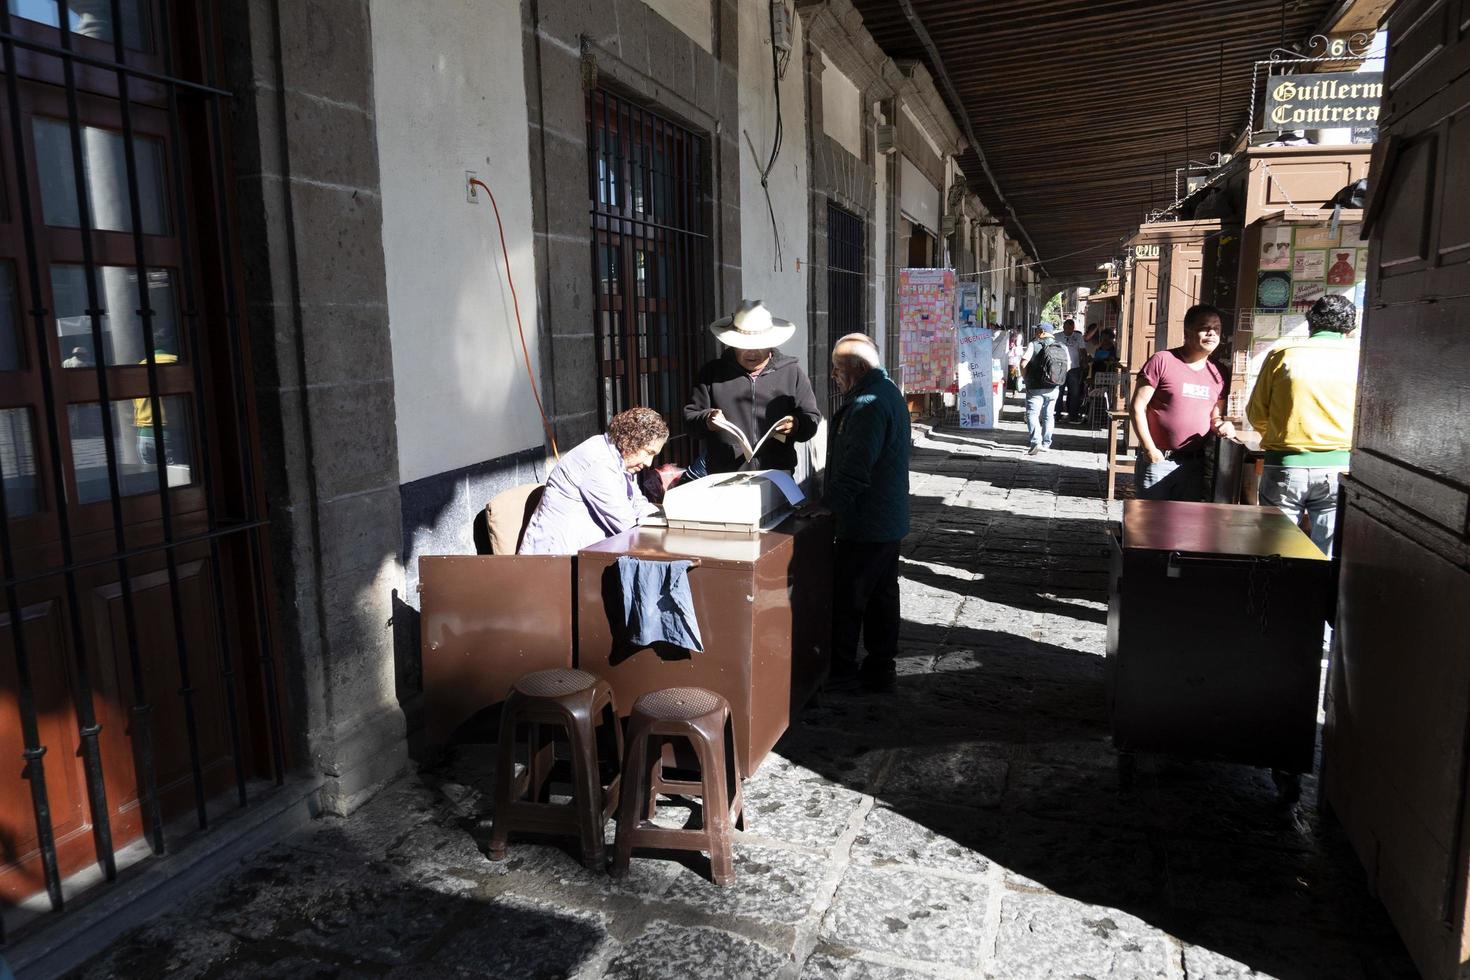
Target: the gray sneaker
(1034, 451)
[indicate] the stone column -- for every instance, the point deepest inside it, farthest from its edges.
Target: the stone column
(310, 232)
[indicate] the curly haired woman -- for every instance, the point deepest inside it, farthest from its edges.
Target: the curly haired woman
(593, 492)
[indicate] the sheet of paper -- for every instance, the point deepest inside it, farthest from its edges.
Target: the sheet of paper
(785, 484)
(734, 430)
(770, 433)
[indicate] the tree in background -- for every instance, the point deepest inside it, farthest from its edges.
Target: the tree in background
(1052, 311)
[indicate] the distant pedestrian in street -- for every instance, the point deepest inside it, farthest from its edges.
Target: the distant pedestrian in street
(1015, 346)
(867, 490)
(1176, 405)
(1045, 367)
(1105, 357)
(1071, 400)
(1303, 407)
(1091, 340)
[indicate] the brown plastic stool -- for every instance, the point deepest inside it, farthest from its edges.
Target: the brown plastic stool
(575, 701)
(703, 718)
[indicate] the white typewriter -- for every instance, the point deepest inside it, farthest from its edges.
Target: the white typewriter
(738, 502)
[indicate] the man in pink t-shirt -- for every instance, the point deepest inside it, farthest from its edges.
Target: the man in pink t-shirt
(1176, 405)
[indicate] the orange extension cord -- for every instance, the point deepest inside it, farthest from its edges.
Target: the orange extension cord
(521, 330)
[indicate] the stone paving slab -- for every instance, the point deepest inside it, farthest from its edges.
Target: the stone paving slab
(851, 965)
(968, 825)
(514, 937)
(943, 842)
(963, 774)
(665, 949)
(1046, 936)
(772, 885)
(911, 914)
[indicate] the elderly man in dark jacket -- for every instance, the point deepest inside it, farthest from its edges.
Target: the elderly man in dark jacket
(754, 386)
(867, 490)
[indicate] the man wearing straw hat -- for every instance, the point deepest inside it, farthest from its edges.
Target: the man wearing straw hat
(754, 386)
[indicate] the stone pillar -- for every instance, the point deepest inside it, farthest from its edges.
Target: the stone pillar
(310, 232)
(897, 254)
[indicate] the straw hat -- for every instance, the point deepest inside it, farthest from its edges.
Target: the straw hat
(751, 327)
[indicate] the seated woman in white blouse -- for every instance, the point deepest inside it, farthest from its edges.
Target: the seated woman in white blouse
(593, 492)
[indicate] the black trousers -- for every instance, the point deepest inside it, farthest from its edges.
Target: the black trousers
(865, 601)
(1070, 402)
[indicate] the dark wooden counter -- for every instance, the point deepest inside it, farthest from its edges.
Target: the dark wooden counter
(1214, 529)
(1215, 624)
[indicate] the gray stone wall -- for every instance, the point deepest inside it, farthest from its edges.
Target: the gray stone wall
(634, 52)
(310, 223)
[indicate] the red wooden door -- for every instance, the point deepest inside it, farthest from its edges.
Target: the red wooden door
(132, 685)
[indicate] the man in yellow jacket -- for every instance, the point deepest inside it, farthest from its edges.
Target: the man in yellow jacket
(1303, 407)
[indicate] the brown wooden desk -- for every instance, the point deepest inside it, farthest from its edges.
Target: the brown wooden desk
(764, 607)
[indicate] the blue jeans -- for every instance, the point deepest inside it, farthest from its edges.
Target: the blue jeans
(1040, 415)
(1303, 492)
(1170, 479)
(148, 450)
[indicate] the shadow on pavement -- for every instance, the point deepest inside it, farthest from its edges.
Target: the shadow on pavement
(999, 744)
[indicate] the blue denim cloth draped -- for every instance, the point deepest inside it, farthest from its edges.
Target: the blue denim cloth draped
(657, 604)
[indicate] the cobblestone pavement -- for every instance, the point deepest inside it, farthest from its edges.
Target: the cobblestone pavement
(969, 825)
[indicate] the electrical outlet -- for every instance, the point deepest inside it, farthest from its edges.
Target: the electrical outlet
(471, 192)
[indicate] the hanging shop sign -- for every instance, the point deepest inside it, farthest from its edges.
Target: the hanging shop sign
(1337, 100)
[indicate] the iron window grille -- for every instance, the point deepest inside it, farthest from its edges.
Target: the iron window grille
(651, 266)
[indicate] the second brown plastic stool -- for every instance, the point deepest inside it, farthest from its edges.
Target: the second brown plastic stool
(574, 701)
(703, 719)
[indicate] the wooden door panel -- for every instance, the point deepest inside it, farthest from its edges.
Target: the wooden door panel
(153, 613)
(1396, 398)
(20, 865)
(1454, 228)
(1409, 208)
(1397, 722)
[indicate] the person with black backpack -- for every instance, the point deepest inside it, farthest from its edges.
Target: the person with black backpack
(1044, 369)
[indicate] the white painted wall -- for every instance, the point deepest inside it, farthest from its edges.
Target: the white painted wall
(842, 109)
(917, 197)
(450, 99)
(693, 17)
(783, 289)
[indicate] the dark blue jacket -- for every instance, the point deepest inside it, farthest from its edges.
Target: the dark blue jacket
(867, 481)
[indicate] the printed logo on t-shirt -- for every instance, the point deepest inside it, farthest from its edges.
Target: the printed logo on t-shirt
(1195, 391)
